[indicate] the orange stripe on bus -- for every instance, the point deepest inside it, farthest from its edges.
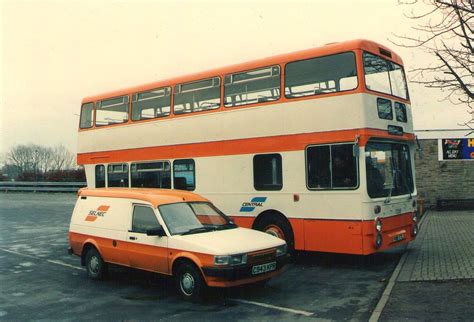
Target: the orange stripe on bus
(281, 143)
(342, 236)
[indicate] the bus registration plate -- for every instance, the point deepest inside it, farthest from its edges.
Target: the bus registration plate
(260, 269)
(398, 237)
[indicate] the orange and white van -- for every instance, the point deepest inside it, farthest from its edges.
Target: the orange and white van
(170, 232)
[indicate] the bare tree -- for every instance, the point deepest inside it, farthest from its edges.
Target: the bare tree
(62, 158)
(445, 29)
(38, 160)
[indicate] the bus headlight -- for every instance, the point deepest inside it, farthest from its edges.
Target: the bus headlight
(281, 250)
(378, 240)
(378, 224)
(221, 260)
(414, 230)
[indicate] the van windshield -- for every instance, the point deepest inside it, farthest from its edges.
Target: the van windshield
(193, 217)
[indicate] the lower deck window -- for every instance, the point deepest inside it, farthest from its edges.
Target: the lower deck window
(331, 167)
(184, 174)
(151, 175)
(267, 172)
(117, 175)
(99, 176)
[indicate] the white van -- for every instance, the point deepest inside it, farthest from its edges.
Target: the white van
(170, 232)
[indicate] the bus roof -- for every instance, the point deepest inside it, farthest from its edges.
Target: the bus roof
(327, 49)
(156, 197)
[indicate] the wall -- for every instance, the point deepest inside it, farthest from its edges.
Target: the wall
(442, 179)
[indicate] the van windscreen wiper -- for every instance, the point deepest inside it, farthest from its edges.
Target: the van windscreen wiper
(197, 230)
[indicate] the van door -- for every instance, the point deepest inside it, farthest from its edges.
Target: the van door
(146, 252)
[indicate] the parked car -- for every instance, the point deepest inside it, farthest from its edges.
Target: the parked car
(171, 232)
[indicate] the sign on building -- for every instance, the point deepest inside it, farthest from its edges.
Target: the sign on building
(457, 149)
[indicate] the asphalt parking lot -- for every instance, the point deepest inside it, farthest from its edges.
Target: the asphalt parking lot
(39, 280)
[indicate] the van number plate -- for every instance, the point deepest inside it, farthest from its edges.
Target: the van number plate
(260, 269)
(398, 237)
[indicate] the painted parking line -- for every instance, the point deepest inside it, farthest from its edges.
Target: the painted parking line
(265, 305)
(269, 306)
(39, 258)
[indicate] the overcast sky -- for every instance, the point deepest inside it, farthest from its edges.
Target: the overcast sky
(54, 53)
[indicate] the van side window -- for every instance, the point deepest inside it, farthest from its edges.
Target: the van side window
(184, 173)
(117, 175)
(99, 176)
(143, 218)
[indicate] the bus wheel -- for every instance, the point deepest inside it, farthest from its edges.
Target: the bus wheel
(278, 227)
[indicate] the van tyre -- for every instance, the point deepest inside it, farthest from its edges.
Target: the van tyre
(95, 266)
(278, 227)
(189, 282)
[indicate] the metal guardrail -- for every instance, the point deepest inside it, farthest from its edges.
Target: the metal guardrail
(33, 186)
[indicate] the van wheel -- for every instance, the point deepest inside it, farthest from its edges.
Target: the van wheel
(189, 282)
(278, 227)
(95, 265)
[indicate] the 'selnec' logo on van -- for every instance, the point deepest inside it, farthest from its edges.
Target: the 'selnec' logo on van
(94, 214)
(255, 202)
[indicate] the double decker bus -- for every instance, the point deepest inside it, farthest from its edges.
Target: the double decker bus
(315, 147)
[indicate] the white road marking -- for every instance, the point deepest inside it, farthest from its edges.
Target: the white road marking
(269, 306)
(39, 258)
(65, 264)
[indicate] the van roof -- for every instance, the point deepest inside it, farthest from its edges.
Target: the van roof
(156, 197)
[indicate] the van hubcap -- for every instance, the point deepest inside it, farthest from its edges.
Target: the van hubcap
(94, 264)
(187, 284)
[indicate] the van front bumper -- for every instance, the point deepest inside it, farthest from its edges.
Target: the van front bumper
(242, 271)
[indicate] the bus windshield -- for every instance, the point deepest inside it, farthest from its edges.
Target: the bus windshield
(193, 217)
(388, 169)
(384, 76)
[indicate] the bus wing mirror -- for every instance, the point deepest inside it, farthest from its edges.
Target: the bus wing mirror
(419, 148)
(355, 147)
(355, 150)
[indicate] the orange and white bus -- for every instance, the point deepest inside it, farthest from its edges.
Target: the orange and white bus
(314, 146)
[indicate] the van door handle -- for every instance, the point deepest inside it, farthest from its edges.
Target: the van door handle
(132, 238)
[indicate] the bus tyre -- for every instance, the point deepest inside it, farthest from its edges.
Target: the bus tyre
(280, 228)
(95, 265)
(189, 282)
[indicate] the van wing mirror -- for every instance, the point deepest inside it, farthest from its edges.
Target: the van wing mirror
(156, 231)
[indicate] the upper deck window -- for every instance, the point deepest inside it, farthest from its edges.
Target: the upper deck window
(401, 112)
(384, 76)
(197, 96)
(87, 116)
(321, 75)
(255, 86)
(112, 111)
(151, 104)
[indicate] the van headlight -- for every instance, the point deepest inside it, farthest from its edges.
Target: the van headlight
(231, 260)
(281, 250)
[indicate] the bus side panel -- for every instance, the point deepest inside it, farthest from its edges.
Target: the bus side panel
(335, 236)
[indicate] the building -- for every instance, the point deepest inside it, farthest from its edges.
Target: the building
(445, 168)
